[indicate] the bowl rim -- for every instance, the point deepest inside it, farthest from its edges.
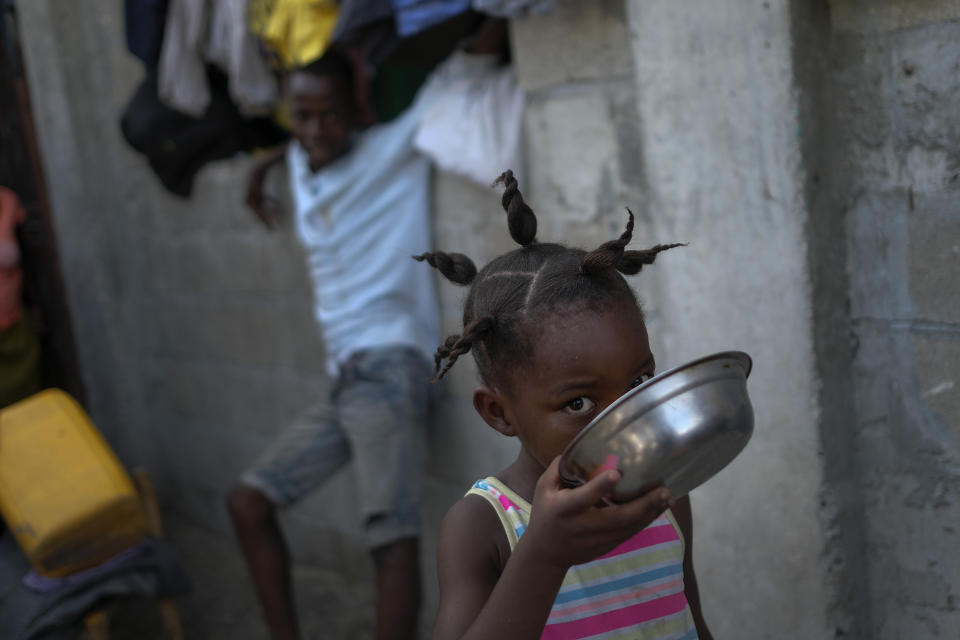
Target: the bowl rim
(741, 357)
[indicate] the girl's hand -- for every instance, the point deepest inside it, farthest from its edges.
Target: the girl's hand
(567, 527)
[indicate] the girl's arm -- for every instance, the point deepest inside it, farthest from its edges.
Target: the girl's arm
(483, 595)
(470, 568)
(684, 515)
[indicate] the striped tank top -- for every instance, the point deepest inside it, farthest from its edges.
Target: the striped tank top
(634, 591)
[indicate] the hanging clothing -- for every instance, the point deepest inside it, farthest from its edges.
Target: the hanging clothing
(473, 126)
(414, 16)
(298, 31)
(365, 31)
(359, 16)
(177, 145)
(143, 26)
(513, 8)
(635, 591)
(198, 32)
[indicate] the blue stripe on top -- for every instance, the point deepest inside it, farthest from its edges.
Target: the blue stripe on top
(623, 583)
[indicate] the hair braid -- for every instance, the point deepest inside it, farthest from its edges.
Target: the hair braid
(455, 346)
(455, 267)
(520, 217)
(608, 255)
(611, 255)
(632, 261)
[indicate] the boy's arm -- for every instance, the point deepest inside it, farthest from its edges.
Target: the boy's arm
(684, 516)
(255, 199)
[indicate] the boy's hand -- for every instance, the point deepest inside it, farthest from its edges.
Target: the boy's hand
(567, 527)
(263, 206)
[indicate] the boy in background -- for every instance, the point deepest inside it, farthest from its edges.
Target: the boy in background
(361, 209)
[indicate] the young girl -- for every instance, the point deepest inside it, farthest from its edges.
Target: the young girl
(557, 335)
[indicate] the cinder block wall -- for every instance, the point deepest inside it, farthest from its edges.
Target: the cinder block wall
(896, 139)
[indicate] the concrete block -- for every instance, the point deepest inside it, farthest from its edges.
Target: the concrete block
(576, 177)
(890, 15)
(462, 211)
(575, 41)
(877, 242)
(934, 258)
(937, 365)
(237, 330)
(254, 405)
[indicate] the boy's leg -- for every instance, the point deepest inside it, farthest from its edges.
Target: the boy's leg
(299, 461)
(384, 410)
(268, 558)
(398, 589)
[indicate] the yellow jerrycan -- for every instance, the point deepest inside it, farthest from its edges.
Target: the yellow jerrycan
(63, 493)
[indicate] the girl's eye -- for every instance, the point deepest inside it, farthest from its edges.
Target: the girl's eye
(579, 406)
(640, 379)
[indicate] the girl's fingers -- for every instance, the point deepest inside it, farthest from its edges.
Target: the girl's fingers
(589, 494)
(646, 507)
(551, 475)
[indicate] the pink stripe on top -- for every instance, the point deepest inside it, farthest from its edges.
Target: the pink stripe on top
(616, 619)
(672, 585)
(647, 538)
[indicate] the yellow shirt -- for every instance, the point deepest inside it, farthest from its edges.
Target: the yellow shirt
(298, 31)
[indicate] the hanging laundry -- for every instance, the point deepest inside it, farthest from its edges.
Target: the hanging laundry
(178, 145)
(366, 34)
(414, 16)
(367, 25)
(215, 31)
(513, 8)
(143, 27)
(298, 31)
(472, 124)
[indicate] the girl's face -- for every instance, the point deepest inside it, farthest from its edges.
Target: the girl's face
(580, 364)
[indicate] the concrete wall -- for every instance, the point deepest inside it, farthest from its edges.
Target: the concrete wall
(723, 164)
(900, 196)
(804, 151)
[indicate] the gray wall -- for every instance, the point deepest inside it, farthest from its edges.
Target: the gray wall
(896, 135)
(808, 154)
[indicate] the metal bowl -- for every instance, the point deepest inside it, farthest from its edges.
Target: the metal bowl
(679, 428)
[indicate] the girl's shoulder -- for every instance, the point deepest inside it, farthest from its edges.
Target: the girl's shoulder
(471, 534)
(472, 552)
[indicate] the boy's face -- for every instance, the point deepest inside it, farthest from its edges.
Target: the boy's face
(321, 110)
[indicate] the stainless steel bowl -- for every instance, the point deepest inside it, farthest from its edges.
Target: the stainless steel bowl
(679, 428)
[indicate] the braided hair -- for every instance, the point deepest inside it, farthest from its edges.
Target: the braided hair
(517, 290)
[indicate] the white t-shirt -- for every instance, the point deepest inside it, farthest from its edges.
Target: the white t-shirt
(360, 220)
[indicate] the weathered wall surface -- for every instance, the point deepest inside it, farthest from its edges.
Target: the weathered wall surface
(723, 166)
(808, 155)
(900, 135)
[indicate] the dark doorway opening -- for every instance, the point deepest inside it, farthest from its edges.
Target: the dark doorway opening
(21, 170)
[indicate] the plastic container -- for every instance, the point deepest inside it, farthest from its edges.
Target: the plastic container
(63, 493)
